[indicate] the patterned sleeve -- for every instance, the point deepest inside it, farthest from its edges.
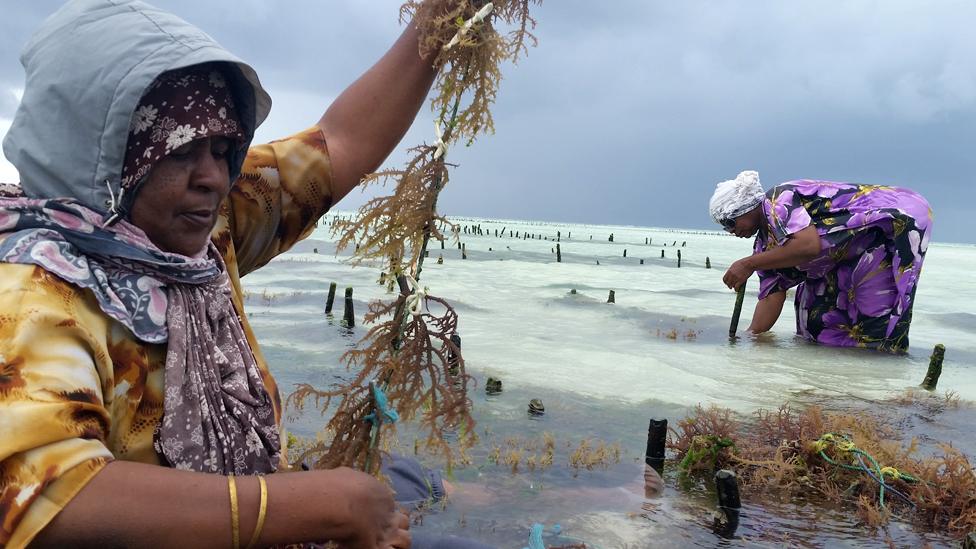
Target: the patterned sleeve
(53, 421)
(283, 189)
(785, 213)
(774, 280)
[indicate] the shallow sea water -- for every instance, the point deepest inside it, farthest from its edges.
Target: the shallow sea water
(603, 369)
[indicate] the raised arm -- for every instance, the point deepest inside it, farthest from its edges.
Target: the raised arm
(368, 119)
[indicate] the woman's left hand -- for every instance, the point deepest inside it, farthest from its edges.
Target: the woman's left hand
(738, 273)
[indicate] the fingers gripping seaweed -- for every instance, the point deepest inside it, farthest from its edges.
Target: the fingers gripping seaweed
(407, 348)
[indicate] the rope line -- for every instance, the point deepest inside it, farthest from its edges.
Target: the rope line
(844, 445)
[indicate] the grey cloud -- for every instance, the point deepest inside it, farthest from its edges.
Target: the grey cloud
(629, 111)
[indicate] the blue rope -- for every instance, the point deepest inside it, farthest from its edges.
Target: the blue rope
(387, 414)
(536, 542)
(535, 537)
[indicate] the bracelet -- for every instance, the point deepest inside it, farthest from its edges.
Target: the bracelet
(262, 513)
(235, 527)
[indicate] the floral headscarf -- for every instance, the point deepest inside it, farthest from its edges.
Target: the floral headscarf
(178, 107)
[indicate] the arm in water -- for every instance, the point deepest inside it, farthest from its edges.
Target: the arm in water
(767, 312)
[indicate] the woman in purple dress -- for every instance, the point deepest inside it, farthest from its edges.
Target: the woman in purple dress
(853, 252)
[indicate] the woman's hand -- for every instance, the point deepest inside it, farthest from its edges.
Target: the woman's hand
(738, 273)
(366, 517)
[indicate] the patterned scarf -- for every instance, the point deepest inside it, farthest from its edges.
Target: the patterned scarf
(218, 416)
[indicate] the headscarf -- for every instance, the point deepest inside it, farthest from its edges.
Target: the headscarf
(178, 107)
(217, 414)
(736, 197)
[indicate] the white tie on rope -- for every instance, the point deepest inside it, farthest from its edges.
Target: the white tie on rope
(482, 13)
(441, 146)
(415, 301)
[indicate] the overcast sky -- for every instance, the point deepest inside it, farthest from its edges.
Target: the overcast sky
(629, 111)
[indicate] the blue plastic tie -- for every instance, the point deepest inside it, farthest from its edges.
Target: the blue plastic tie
(535, 537)
(389, 415)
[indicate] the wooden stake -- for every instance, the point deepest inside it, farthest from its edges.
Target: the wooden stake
(464, 251)
(657, 434)
(740, 294)
(708, 263)
(611, 298)
(662, 254)
(559, 254)
(935, 368)
(331, 298)
(679, 259)
(727, 490)
(453, 360)
(625, 252)
(348, 316)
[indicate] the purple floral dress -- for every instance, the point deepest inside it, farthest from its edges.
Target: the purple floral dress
(859, 291)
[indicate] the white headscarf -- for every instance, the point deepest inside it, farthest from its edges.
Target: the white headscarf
(736, 197)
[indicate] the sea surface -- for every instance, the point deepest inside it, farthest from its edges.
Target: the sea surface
(602, 370)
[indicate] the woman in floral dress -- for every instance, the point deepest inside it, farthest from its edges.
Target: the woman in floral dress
(853, 252)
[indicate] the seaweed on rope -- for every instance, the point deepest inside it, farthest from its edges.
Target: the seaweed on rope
(407, 349)
(834, 456)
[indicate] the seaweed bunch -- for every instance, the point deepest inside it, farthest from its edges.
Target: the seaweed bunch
(471, 68)
(407, 352)
(840, 457)
(413, 359)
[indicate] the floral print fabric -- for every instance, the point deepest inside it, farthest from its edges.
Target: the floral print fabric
(860, 290)
(78, 389)
(179, 106)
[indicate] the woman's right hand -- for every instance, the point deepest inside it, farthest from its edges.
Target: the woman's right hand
(366, 516)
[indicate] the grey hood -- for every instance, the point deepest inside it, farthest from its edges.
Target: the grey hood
(86, 68)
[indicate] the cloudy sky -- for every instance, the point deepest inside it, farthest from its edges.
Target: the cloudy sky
(629, 111)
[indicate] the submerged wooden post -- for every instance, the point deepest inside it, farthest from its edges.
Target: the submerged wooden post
(453, 360)
(611, 298)
(464, 251)
(679, 259)
(536, 407)
(558, 236)
(442, 244)
(642, 261)
(662, 254)
(331, 298)
(935, 368)
(657, 434)
(625, 252)
(708, 263)
(727, 490)
(611, 237)
(740, 294)
(559, 254)
(440, 260)
(493, 386)
(348, 316)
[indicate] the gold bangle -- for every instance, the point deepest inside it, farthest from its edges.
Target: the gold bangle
(262, 513)
(235, 527)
